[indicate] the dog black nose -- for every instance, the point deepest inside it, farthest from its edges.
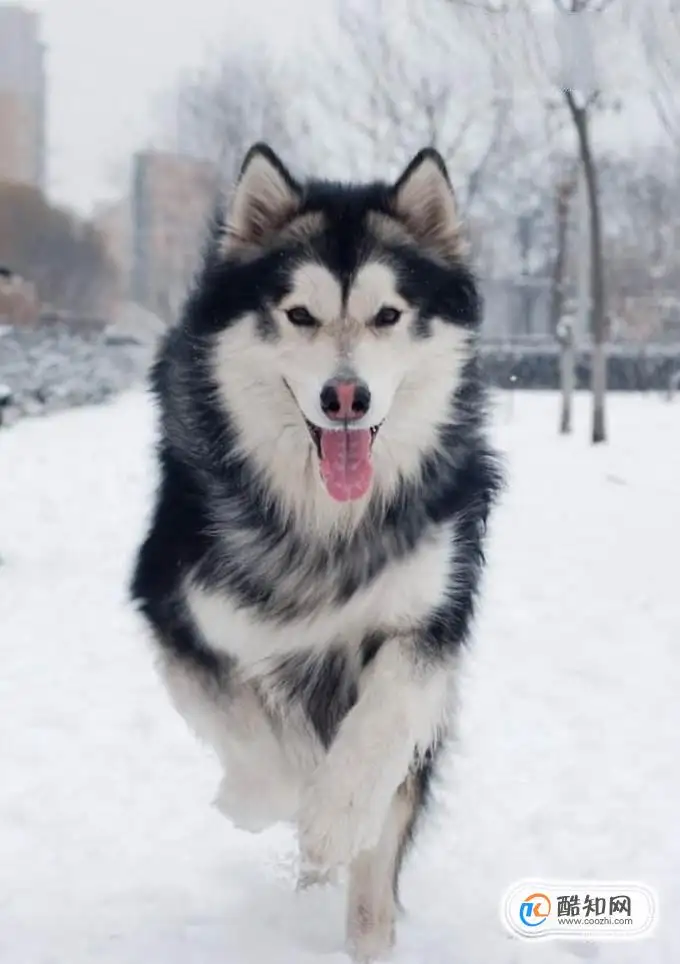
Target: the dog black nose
(345, 401)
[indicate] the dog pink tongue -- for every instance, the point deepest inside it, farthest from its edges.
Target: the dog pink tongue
(346, 462)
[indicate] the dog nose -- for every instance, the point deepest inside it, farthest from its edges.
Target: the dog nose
(345, 401)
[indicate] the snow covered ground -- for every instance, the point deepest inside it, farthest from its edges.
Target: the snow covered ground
(567, 764)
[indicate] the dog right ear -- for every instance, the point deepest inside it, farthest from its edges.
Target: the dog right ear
(265, 199)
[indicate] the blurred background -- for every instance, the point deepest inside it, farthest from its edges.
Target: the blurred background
(121, 122)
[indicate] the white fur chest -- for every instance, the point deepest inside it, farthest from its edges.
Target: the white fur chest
(402, 594)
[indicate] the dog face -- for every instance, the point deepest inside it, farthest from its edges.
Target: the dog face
(353, 325)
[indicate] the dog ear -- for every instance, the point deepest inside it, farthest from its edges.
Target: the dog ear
(265, 198)
(423, 200)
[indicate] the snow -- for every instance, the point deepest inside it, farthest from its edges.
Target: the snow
(566, 762)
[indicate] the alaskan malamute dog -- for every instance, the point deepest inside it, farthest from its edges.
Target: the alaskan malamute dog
(316, 547)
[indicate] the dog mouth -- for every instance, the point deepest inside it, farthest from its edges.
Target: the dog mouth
(345, 456)
(345, 459)
(316, 434)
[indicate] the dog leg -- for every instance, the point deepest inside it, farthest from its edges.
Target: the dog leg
(401, 710)
(260, 786)
(372, 897)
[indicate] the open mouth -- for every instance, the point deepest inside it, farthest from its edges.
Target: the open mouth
(315, 433)
(345, 459)
(345, 456)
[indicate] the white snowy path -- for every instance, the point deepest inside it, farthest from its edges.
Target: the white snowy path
(567, 763)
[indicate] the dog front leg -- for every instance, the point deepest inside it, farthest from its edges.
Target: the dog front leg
(261, 785)
(373, 877)
(401, 710)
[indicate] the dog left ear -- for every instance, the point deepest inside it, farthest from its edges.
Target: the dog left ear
(265, 199)
(424, 202)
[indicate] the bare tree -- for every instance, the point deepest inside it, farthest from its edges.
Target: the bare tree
(579, 110)
(564, 193)
(561, 326)
(408, 73)
(582, 96)
(658, 23)
(210, 119)
(580, 103)
(219, 111)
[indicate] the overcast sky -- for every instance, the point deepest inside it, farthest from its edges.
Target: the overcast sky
(109, 61)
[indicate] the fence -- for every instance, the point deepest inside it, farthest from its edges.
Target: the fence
(535, 364)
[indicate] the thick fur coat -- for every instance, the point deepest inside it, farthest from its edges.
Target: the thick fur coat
(314, 556)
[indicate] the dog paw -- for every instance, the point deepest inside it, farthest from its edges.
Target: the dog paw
(246, 811)
(315, 877)
(335, 824)
(374, 944)
(371, 913)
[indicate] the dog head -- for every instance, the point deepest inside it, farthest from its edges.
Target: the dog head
(344, 318)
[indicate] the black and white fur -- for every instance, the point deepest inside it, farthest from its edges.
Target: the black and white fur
(314, 643)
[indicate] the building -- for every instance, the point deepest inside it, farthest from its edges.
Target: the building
(22, 97)
(113, 221)
(19, 301)
(172, 199)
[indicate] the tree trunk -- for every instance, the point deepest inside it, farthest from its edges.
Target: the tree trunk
(564, 333)
(565, 191)
(567, 379)
(597, 296)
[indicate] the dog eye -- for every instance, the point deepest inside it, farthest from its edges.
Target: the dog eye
(300, 316)
(386, 317)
